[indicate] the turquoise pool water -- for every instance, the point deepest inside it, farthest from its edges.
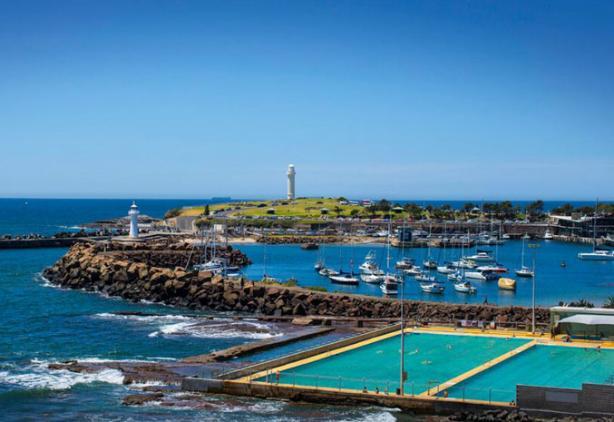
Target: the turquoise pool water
(552, 366)
(430, 359)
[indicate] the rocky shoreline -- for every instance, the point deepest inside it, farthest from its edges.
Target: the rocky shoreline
(157, 273)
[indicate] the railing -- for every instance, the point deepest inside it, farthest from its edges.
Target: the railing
(388, 387)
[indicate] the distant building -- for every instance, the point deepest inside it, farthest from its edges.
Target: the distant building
(291, 182)
(582, 226)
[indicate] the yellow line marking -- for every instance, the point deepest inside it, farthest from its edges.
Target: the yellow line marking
(478, 369)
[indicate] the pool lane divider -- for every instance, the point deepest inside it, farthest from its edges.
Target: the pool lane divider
(432, 392)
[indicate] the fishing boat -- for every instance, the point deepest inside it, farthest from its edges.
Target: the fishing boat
(475, 275)
(404, 264)
(524, 272)
(433, 288)
(548, 235)
(372, 278)
(465, 287)
(318, 265)
(425, 278)
(309, 246)
(507, 283)
(413, 271)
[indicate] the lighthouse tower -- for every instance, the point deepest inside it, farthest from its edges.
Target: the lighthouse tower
(291, 175)
(134, 221)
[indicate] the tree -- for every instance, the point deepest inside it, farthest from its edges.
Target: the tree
(535, 208)
(354, 212)
(565, 209)
(609, 303)
(206, 210)
(384, 205)
(338, 210)
(468, 206)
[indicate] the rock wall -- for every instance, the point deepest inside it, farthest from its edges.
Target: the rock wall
(119, 274)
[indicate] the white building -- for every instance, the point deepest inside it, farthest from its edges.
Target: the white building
(134, 221)
(291, 179)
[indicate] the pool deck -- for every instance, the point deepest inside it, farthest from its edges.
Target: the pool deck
(413, 401)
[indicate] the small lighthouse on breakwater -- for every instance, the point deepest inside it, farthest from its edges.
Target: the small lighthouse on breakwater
(134, 221)
(291, 176)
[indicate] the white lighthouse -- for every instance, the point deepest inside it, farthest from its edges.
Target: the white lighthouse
(134, 220)
(291, 176)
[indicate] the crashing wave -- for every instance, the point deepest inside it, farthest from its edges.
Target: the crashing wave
(39, 376)
(236, 329)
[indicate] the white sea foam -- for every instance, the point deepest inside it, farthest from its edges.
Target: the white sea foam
(222, 330)
(39, 376)
(145, 318)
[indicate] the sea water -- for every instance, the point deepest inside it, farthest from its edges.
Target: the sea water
(40, 324)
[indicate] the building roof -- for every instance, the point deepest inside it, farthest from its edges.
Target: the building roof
(579, 310)
(587, 319)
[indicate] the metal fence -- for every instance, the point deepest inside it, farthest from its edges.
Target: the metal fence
(388, 387)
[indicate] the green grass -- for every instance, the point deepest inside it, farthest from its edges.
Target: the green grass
(308, 209)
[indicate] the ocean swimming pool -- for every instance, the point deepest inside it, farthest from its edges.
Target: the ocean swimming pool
(430, 359)
(541, 365)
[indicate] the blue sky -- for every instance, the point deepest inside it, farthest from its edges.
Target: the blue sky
(398, 99)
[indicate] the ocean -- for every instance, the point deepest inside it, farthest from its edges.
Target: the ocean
(41, 324)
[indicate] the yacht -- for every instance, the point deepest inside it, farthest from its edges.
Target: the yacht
(548, 235)
(464, 263)
(524, 272)
(434, 288)
(413, 271)
(446, 269)
(327, 272)
(464, 287)
(495, 268)
(370, 266)
(475, 275)
(457, 277)
(215, 264)
(404, 264)
(430, 264)
(481, 256)
(597, 255)
(372, 278)
(390, 286)
(425, 278)
(505, 236)
(318, 265)
(344, 278)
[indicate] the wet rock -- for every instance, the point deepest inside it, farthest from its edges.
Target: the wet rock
(141, 399)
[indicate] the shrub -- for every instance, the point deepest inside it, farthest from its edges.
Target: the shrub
(172, 213)
(317, 288)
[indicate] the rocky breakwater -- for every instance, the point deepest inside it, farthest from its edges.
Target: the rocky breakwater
(112, 273)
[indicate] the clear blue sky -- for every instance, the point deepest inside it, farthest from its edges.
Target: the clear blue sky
(399, 99)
